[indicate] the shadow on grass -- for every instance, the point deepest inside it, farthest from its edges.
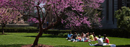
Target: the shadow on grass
(63, 46)
(4, 34)
(50, 36)
(123, 45)
(102, 46)
(12, 45)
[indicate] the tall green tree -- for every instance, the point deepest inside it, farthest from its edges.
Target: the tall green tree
(123, 17)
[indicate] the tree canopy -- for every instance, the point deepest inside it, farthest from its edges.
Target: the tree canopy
(123, 17)
(75, 13)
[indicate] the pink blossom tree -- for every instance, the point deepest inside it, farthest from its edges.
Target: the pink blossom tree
(78, 12)
(9, 16)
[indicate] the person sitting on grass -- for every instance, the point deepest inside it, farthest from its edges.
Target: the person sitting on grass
(82, 37)
(106, 40)
(100, 42)
(93, 34)
(83, 34)
(87, 35)
(78, 38)
(69, 36)
(95, 38)
(86, 39)
(74, 37)
(91, 37)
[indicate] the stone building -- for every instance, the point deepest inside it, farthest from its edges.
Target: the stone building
(109, 7)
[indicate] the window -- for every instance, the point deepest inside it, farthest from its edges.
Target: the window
(128, 3)
(128, 0)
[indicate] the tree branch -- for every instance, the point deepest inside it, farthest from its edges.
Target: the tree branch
(70, 9)
(76, 12)
(58, 19)
(43, 18)
(32, 16)
(39, 19)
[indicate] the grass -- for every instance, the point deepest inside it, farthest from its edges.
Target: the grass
(18, 39)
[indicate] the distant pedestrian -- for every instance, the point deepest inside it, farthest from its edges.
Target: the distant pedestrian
(47, 23)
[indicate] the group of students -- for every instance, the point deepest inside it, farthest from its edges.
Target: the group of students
(88, 37)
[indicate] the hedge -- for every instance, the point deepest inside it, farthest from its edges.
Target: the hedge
(109, 32)
(57, 32)
(33, 29)
(19, 29)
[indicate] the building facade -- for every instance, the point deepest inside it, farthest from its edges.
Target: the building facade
(109, 7)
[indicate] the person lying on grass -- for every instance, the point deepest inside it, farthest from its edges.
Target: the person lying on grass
(100, 42)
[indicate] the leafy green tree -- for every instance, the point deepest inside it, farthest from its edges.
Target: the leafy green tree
(123, 17)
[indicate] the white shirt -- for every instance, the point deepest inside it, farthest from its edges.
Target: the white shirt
(100, 41)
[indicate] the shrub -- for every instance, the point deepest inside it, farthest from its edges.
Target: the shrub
(56, 32)
(60, 34)
(20, 29)
(65, 34)
(123, 17)
(112, 32)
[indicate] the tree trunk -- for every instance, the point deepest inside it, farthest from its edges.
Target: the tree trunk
(2, 30)
(41, 28)
(3, 25)
(37, 37)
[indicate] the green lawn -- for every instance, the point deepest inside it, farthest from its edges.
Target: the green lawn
(18, 39)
